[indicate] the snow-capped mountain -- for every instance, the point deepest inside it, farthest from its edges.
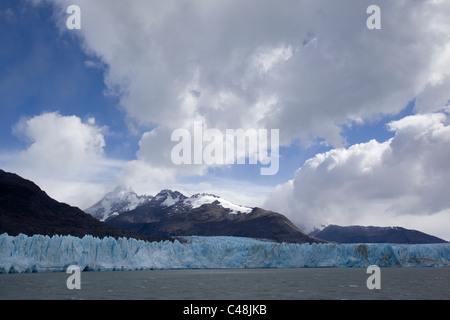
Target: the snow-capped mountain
(178, 202)
(171, 213)
(168, 198)
(199, 199)
(120, 200)
(26, 209)
(124, 199)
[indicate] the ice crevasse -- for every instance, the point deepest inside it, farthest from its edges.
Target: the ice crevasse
(38, 253)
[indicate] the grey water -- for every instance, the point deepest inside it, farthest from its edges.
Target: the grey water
(231, 284)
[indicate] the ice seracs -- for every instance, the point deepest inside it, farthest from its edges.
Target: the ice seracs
(48, 254)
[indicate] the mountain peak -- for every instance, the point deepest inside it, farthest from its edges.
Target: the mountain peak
(168, 192)
(121, 199)
(204, 194)
(199, 199)
(123, 188)
(26, 209)
(171, 213)
(168, 197)
(124, 199)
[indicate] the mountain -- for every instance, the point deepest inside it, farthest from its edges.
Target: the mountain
(124, 199)
(120, 200)
(25, 208)
(371, 234)
(170, 213)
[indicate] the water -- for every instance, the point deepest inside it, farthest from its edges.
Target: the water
(232, 284)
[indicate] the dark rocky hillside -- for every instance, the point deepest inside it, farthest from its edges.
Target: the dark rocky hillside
(361, 234)
(25, 208)
(210, 220)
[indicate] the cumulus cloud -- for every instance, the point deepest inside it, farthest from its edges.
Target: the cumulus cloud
(60, 141)
(305, 67)
(64, 155)
(401, 180)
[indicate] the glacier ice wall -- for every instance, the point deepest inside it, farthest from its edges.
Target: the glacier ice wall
(40, 253)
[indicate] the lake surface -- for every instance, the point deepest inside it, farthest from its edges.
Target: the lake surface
(232, 284)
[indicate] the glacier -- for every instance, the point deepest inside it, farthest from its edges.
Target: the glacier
(39, 253)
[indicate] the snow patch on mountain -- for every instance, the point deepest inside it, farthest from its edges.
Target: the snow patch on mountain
(124, 199)
(113, 203)
(200, 199)
(170, 201)
(168, 198)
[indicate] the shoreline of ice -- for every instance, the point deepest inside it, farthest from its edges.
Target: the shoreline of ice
(39, 253)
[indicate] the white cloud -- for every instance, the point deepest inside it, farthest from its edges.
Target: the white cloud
(60, 141)
(402, 180)
(267, 59)
(303, 67)
(145, 178)
(317, 60)
(64, 156)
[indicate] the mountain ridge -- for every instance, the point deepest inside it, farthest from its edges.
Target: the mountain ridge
(118, 201)
(374, 234)
(26, 209)
(121, 199)
(171, 213)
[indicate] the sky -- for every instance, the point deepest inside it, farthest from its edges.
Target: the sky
(359, 99)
